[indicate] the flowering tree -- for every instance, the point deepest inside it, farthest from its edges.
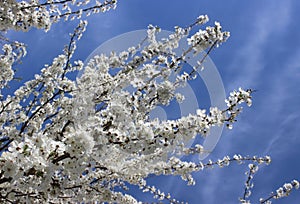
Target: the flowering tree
(24, 15)
(77, 141)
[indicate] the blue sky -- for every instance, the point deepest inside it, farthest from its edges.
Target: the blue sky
(262, 53)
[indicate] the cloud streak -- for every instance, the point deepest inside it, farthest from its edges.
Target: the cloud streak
(250, 62)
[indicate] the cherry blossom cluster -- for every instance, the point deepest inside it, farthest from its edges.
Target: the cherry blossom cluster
(281, 192)
(76, 141)
(210, 36)
(23, 15)
(178, 167)
(12, 52)
(248, 184)
(235, 98)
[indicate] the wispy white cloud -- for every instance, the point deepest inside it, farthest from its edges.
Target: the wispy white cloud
(275, 145)
(250, 62)
(279, 94)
